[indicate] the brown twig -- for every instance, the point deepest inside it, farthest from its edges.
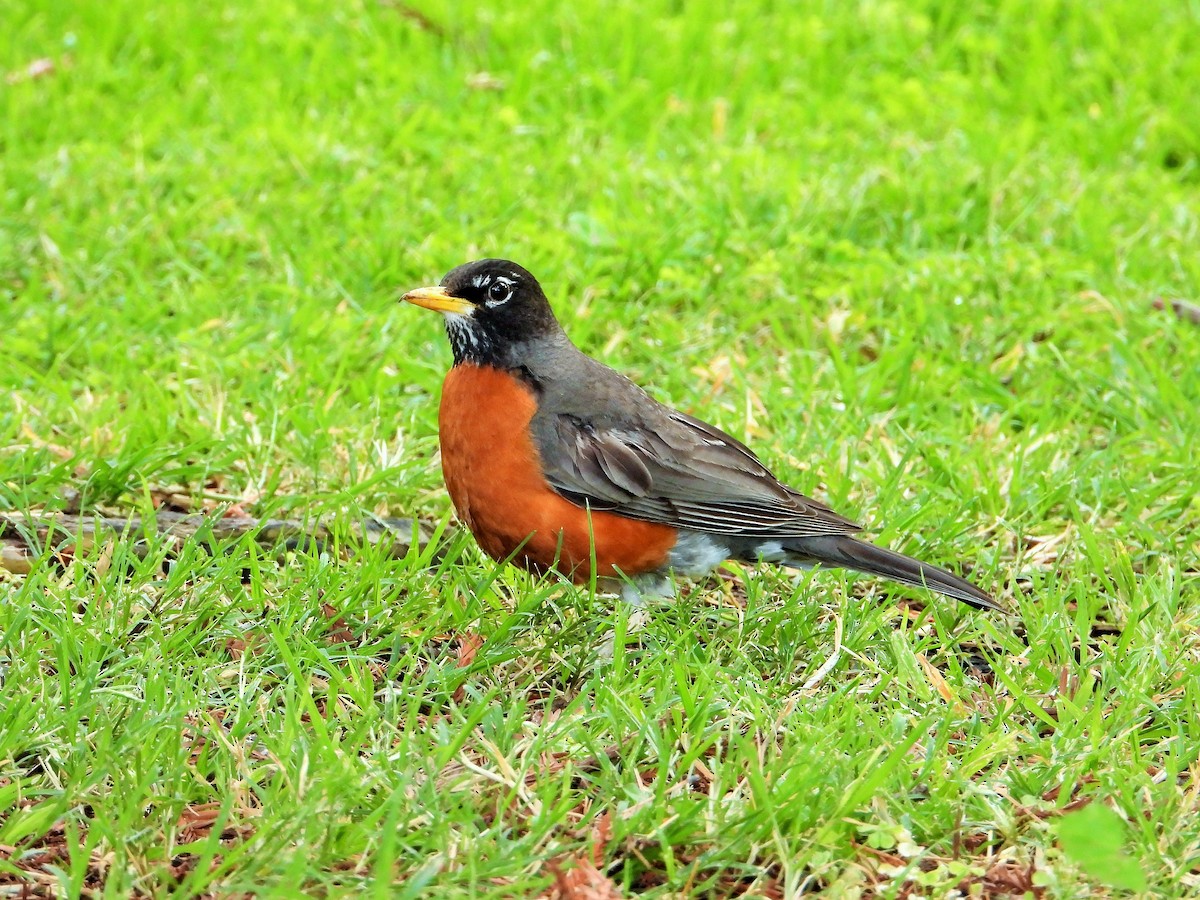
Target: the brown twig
(23, 537)
(1189, 312)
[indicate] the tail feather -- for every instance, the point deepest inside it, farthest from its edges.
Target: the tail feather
(851, 553)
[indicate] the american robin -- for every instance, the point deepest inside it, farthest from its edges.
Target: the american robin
(555, 461)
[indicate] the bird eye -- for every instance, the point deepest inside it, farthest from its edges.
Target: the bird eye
(499, 292)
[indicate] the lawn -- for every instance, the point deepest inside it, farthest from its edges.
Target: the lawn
(909, 251)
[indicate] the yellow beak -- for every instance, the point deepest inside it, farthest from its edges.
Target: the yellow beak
(437, 299)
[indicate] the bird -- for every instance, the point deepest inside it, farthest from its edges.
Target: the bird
(556, 462)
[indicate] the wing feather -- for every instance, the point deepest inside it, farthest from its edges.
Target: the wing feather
(680, 471)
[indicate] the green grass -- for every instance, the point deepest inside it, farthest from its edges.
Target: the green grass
(908, 249)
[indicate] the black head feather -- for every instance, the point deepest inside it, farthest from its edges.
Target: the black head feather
(508, 309)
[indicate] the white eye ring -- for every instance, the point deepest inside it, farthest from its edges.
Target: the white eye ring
(499, 292)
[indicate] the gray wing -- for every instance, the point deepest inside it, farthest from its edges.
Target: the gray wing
(679, 471)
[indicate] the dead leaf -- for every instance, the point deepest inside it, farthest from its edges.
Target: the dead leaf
(339, 632)
(197, 820)
(1008, 878)
(584, 882)
(251, 644)
(415, 16)
(939, 684)
(104, 560)
(601, 835)
(485, 81)
(468, 646)
(38, 68)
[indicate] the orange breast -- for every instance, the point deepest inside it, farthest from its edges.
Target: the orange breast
(493, 473)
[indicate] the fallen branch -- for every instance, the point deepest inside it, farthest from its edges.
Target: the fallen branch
(23, 538)
(1189, 312)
